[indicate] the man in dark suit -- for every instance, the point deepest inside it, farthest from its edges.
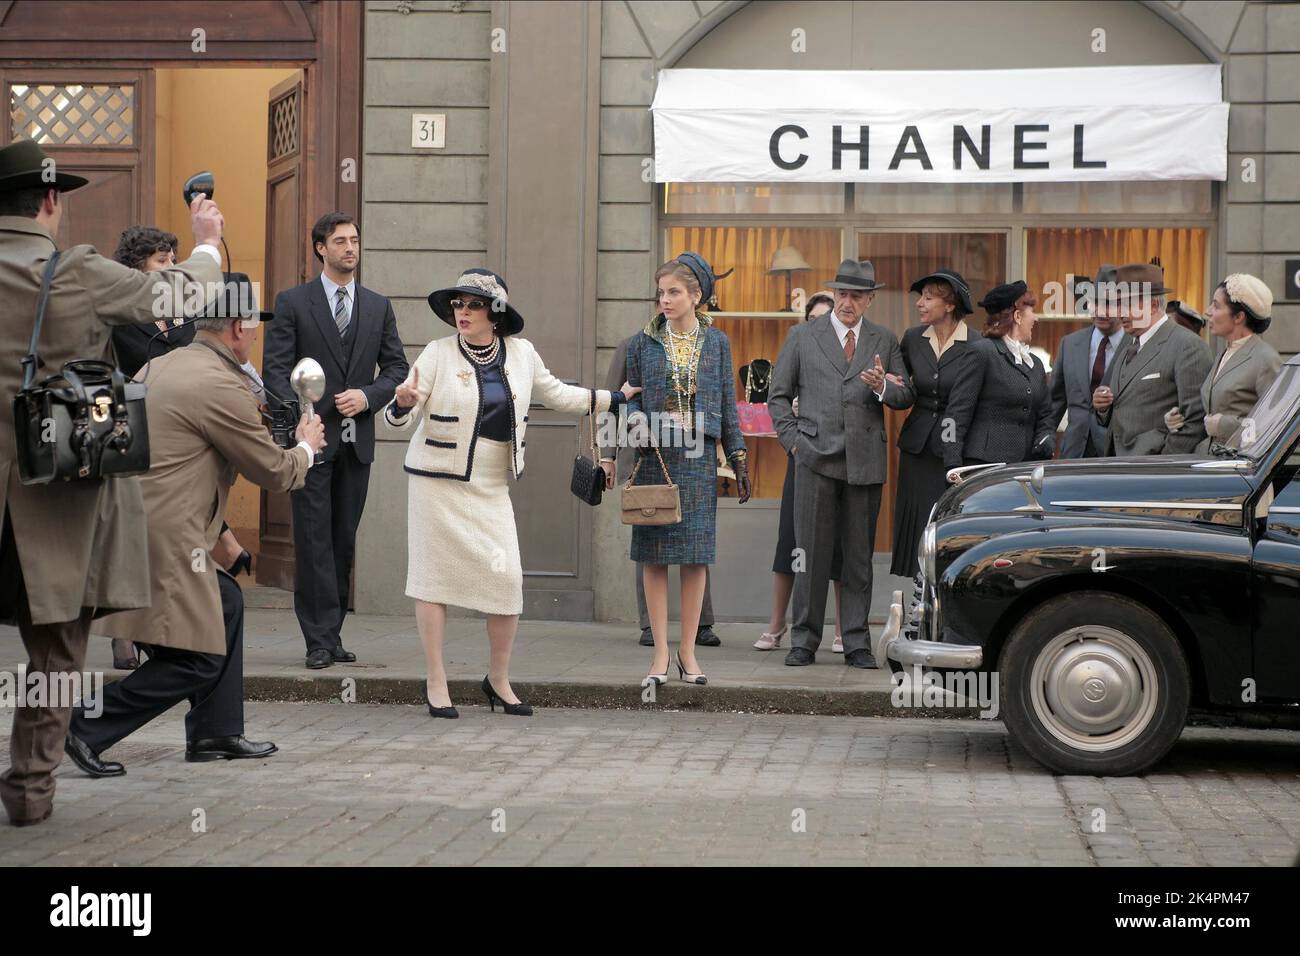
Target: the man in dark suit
(837, 365)
(349, 330)
(610, 457)
(1084, 361)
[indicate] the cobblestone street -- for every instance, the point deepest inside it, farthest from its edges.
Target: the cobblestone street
(383, 784)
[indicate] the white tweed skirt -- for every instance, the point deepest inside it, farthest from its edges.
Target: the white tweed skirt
(462, 545)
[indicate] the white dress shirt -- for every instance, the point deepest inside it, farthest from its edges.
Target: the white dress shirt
(1146, 335)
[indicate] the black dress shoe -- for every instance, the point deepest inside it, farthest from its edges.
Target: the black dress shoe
(705, 637)
(860, 658)
(88, 761)
(799, 657)
(647, 637)
(341, 655)
(319, 658)
(227, 748)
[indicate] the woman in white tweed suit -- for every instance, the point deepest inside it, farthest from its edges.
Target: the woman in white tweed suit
(471, 393)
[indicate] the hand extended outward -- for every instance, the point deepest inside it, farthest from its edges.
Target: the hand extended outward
(408, 393)
(874, 376)
(312, 431)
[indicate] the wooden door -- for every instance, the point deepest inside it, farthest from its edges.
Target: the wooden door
(285, 268)
(96, 123)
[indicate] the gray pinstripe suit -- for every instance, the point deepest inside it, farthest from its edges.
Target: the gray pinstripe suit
(839, 446)
(1168, 370)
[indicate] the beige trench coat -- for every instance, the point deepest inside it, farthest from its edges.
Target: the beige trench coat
(80, 544)
(204, 429)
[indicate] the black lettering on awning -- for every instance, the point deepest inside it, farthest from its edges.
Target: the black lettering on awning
(1079, 161)
(862, 146)
(1019, 161)
(913, 135)
(960, 138)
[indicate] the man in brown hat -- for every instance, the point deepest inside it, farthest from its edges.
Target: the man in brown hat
(68, 550)
(1162, 368)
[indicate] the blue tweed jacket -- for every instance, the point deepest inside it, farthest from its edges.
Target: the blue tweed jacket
(715, 388)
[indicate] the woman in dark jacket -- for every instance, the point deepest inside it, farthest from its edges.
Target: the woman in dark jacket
(149, 250)
(1000, 406)
(935, 354)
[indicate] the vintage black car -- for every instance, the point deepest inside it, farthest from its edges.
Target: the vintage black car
(1110, 597)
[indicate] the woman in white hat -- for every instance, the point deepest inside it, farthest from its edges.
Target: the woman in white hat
(471, 393)
(1241, 309)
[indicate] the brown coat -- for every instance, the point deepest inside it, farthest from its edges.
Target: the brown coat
(81, 544)
(204, 429)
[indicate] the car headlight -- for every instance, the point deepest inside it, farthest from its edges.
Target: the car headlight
(928, 538)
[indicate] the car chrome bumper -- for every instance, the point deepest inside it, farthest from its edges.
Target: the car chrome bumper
(889, 644)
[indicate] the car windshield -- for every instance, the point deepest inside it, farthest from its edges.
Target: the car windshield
(1270, 416)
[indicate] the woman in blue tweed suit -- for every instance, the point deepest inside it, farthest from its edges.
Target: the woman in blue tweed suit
(683, 364)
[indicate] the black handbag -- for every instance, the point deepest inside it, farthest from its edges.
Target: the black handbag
(588, 481)
(85, 423)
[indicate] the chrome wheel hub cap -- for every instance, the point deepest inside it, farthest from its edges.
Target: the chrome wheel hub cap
(1094, 688)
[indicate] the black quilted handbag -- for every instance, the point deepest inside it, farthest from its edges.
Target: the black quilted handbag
(85, 423)
(588, 482)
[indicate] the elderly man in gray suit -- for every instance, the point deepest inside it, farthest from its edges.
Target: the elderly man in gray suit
(833, 364)
(1084, 361)
(1161, 369)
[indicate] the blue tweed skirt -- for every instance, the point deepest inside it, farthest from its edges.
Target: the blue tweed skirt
(693, 539)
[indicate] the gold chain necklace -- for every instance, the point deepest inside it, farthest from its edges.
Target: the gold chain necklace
(683, 374)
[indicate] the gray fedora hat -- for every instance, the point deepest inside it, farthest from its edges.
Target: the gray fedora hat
(856, 275)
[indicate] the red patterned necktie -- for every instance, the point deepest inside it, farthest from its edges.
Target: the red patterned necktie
(1099, 364)
(848, 347)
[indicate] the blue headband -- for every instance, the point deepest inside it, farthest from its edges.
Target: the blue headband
(703, 274)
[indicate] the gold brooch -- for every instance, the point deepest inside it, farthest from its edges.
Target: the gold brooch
(465, 377)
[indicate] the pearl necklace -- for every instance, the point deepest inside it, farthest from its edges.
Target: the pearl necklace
(487, 355)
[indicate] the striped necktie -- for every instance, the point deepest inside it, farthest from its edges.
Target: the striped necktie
(341, 315)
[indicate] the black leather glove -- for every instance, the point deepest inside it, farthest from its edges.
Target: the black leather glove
(242, 563)
(741, 468)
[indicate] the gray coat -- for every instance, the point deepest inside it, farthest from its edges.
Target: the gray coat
(840, 429)
(1072, 392)
(1236, 389)
(1168, 370)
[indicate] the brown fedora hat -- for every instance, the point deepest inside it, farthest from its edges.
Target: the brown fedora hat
(24, 165)
(1141, 276)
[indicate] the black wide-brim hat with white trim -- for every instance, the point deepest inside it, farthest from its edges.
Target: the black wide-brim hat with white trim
(953, 279)
(485, 284)
(24, 165)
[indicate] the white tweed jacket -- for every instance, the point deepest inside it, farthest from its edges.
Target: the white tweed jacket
(450, 408)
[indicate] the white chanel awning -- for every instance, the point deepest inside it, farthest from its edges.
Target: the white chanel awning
(943, 126)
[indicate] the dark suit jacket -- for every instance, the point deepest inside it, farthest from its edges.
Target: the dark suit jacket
(1000, 410)
(1085, 436)
(932, 380)
(304, 327)
(133, 346)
